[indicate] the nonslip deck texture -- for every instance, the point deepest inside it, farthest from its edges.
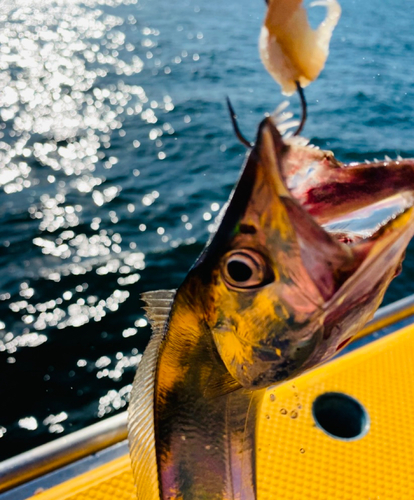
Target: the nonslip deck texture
(296, 459)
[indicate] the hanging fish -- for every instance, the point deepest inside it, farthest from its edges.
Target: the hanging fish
(290, 49)
(278, 290)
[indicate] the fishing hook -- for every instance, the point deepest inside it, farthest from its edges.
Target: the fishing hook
(304, 108)
(236, 128)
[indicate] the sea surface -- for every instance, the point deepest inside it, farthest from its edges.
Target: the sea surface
(116, 155)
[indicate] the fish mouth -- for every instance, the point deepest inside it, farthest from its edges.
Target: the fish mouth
(351, 225)
(333, 235)
(351, 201)
(344, 216)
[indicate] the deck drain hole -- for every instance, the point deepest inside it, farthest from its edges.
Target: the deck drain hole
(340, 416)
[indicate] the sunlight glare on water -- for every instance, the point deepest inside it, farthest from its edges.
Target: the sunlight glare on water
(74, 116)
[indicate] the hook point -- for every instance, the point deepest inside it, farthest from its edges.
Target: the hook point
(236, 128)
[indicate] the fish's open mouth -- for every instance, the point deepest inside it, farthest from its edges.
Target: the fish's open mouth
(339, 217)
(343, 216)
(330, 236)
(363, 223)
(352, 202)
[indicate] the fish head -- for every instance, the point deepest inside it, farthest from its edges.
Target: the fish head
(280, 288)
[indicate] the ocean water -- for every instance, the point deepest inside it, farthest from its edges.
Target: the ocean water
(116, 154)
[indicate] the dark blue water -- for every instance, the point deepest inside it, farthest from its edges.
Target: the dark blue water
(116, 153)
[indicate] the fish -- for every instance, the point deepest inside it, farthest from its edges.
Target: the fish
(286, 281)
(290, 49)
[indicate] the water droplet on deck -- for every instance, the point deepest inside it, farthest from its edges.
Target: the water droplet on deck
(293, 414)
(29, 423)
(272, 397)
(283, 411)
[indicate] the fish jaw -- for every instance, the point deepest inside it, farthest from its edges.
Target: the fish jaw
(314, 292)
(358, 299)
(330, 190)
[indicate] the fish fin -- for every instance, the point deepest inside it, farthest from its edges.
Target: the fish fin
(141, 407)
(221, 386)
(157, 307)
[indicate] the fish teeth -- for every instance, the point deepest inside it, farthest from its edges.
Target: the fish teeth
(298, 140)
(284, 127)
(284, 117)
(386, 158)
(320, 3)
(277, 113)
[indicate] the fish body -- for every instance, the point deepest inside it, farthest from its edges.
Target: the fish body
(275, 292)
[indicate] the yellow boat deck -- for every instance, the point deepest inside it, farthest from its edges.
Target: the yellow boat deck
(297, 459)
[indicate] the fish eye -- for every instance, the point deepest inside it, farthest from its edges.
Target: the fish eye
(244, 269)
